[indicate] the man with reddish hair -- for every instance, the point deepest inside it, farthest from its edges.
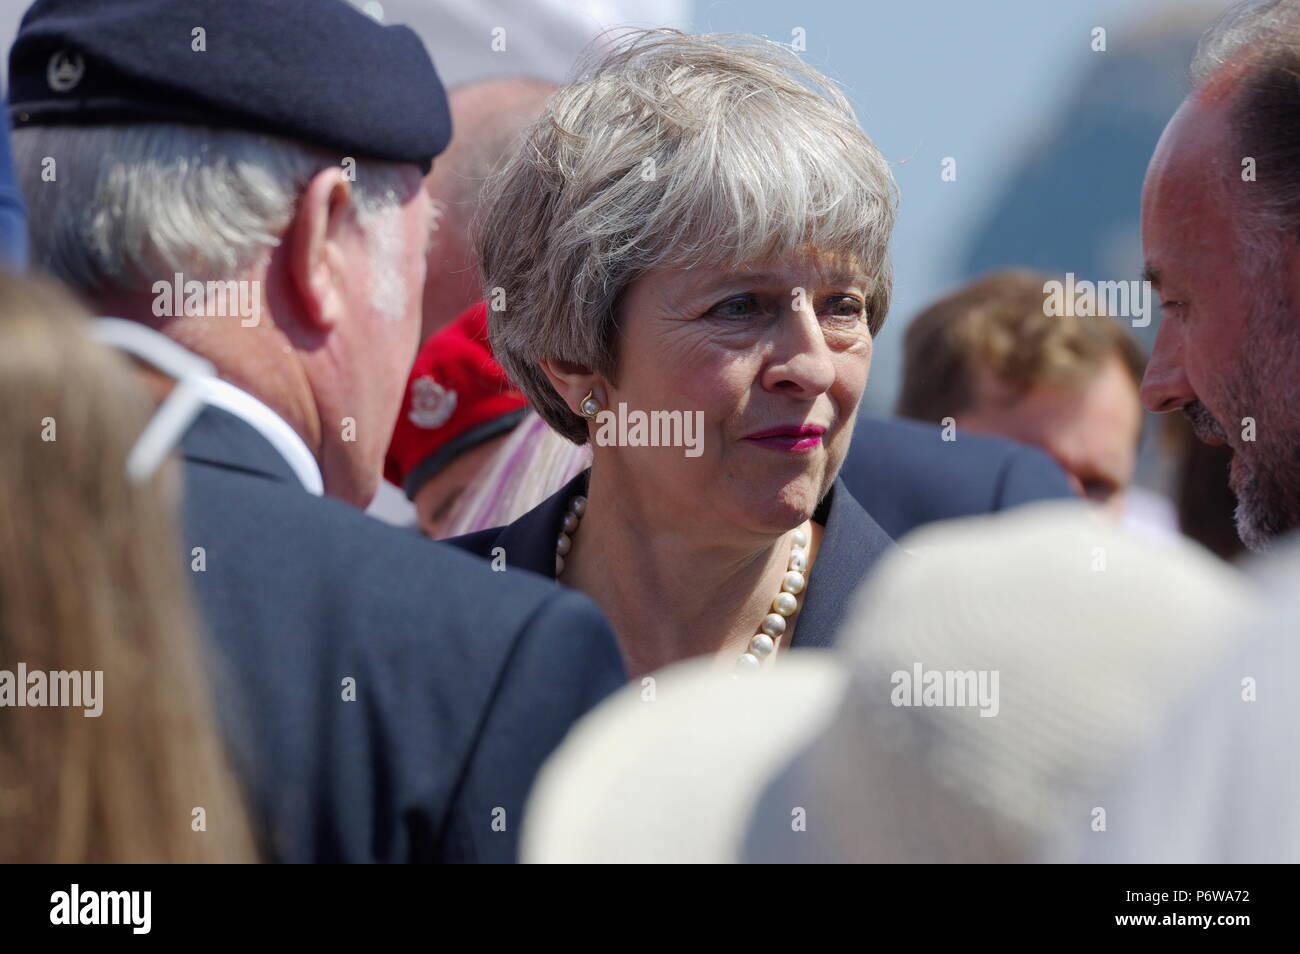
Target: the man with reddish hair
(992, 360)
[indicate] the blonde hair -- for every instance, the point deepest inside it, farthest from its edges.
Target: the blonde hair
(671, 151)
(90, 580)
(998, 324)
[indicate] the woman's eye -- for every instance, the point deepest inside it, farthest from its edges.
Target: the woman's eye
(845, 307)
(739, 307)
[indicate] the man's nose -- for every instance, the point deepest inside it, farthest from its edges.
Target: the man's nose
(1165, 386)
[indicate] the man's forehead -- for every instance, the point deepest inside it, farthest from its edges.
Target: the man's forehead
(1194, 148)
(1201, 127)
(1185, 193)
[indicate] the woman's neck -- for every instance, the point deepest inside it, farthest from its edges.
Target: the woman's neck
(672, 591)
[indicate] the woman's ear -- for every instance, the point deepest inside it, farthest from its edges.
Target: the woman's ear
(317, 258)
(572, 382)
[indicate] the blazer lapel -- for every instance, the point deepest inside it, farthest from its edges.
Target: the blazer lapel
(850, 546)
(529, 542)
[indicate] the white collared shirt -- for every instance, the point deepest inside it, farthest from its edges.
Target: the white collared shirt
(224, 396)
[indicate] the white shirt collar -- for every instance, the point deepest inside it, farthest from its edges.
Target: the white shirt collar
(226, 397)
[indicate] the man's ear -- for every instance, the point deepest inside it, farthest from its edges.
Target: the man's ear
(317, 259)
(572, 382)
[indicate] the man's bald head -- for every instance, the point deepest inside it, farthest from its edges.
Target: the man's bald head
(487, 119)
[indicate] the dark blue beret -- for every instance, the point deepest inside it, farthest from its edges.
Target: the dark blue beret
(318, 71)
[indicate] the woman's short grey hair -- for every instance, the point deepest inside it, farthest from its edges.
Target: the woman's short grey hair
(118, 207)
(673, 150)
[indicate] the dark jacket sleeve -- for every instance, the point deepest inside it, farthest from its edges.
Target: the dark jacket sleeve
(564, 663)
(1029, 475)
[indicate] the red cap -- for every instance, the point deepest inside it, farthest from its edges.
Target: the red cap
(456, 398)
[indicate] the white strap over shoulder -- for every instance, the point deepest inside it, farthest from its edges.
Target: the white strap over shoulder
(182, 405)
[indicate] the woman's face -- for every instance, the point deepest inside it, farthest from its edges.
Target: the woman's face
(774, 357)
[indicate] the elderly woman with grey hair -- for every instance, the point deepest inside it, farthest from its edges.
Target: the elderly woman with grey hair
(685, 264)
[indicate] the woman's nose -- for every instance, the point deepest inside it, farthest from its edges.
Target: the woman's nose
(803, 362)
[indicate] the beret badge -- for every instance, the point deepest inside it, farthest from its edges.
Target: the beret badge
(431, 403)
(65, 71)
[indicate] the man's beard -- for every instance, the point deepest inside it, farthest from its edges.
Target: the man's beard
(1265, 472)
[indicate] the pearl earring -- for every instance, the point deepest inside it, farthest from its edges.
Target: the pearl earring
(589, 406)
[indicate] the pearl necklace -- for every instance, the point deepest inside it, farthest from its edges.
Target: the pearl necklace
(786, 603)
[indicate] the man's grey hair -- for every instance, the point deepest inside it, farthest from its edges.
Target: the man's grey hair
(670, 151)
(128, 205)
(1255, 47)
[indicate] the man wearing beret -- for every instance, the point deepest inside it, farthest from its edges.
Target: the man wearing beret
(243, 179)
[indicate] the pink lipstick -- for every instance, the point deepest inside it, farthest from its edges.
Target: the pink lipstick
(796, 438)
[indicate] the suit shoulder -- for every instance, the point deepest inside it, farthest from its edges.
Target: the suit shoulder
(1030, 474)
(348, 558)
(899, 441)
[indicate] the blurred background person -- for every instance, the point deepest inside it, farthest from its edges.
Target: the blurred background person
(989, 358)
(466, 450)
(90, 583)
(487, 118)
(458, 411)
(645, 262)
(533, 462)
(1035, 686)
(906, 474)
